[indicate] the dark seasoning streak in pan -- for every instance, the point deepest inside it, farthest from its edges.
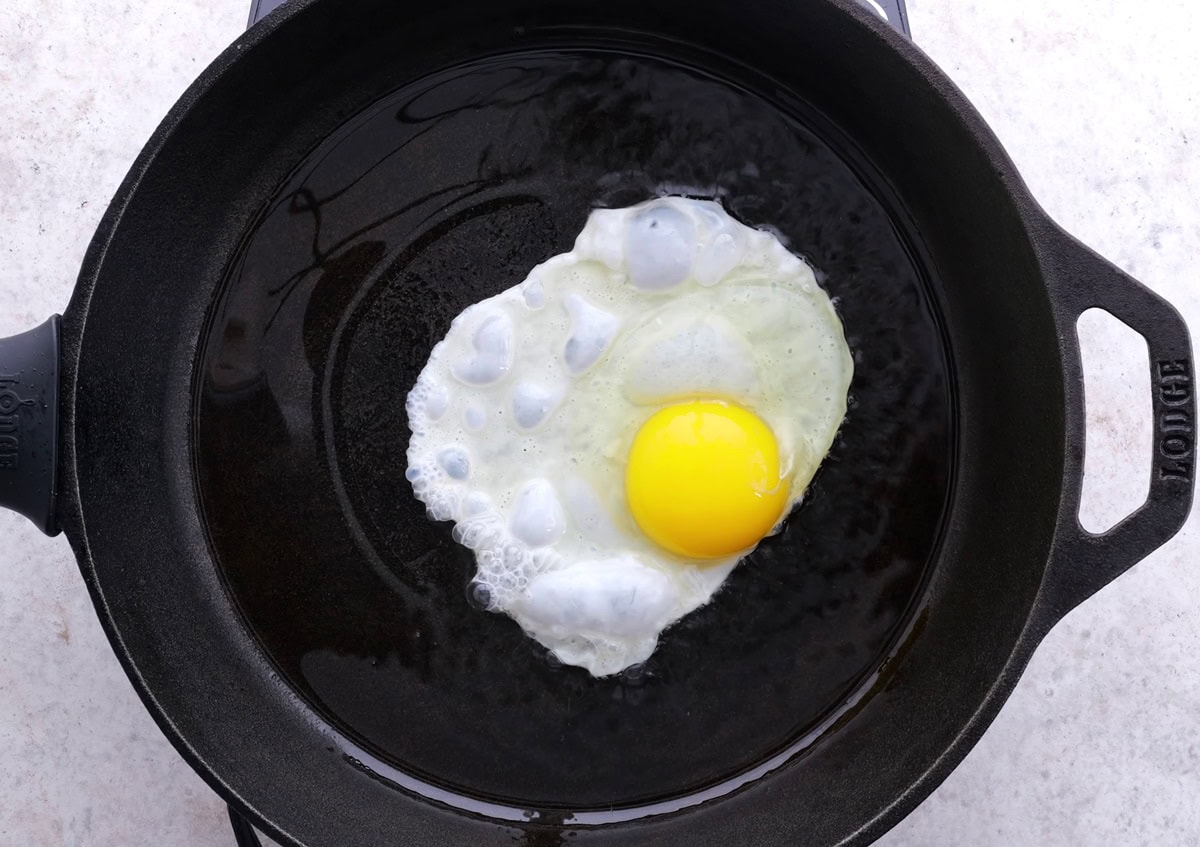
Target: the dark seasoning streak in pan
(446, 193)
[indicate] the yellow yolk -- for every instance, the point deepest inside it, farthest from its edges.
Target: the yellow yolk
(703, 479)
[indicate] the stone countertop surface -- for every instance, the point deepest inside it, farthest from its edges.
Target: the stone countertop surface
(1097, 102)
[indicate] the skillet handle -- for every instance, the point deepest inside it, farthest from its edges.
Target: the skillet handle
(1083, 562)
(29, 366)
(893, 11)
(243, 832)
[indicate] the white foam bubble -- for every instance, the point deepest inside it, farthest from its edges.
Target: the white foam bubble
(455, 463)
(476, 504)
(437, 402)
(660, 243)
(532, 402)
(427, 400)
(534, 294)
(441, 504)
(538, 519)
(602, 239)
(592, 330)
(615, 597)
(492, 355)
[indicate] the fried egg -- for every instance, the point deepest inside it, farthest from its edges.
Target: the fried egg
(615, 433)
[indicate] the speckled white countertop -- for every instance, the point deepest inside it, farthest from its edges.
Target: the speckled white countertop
(1099, 104)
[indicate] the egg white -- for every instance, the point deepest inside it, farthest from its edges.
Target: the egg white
(525, 411)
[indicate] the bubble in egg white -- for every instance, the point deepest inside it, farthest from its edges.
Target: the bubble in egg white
(538, 519)
(523, 416)
(592, 330)
(437, 401)
(618, 596)
(492, 354)
(532, 401)
(660, 243)
(455, 463)
(477, 503)
(427, 399)
(534, 295)
(480, 596)
(603, 239)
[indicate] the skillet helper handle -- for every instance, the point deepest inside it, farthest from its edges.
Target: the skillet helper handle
(1083, 562)
(29, 368)
(894, 11)
(243, 832)
(261, 8)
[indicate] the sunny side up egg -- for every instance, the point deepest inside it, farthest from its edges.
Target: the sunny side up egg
(612, 435)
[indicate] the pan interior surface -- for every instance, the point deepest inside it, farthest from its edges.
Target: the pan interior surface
(444, 193)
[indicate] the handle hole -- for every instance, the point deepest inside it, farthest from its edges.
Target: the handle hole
(1119, 440)
(874, 6)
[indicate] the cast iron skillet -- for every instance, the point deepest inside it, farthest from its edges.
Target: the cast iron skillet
(217, 424)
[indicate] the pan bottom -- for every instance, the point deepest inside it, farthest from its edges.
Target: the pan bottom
(444, 193)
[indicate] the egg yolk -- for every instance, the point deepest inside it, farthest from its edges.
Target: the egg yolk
(703, 479)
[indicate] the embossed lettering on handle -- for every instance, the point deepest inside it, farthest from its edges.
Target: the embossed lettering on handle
(1175, 427)
(10, 421)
